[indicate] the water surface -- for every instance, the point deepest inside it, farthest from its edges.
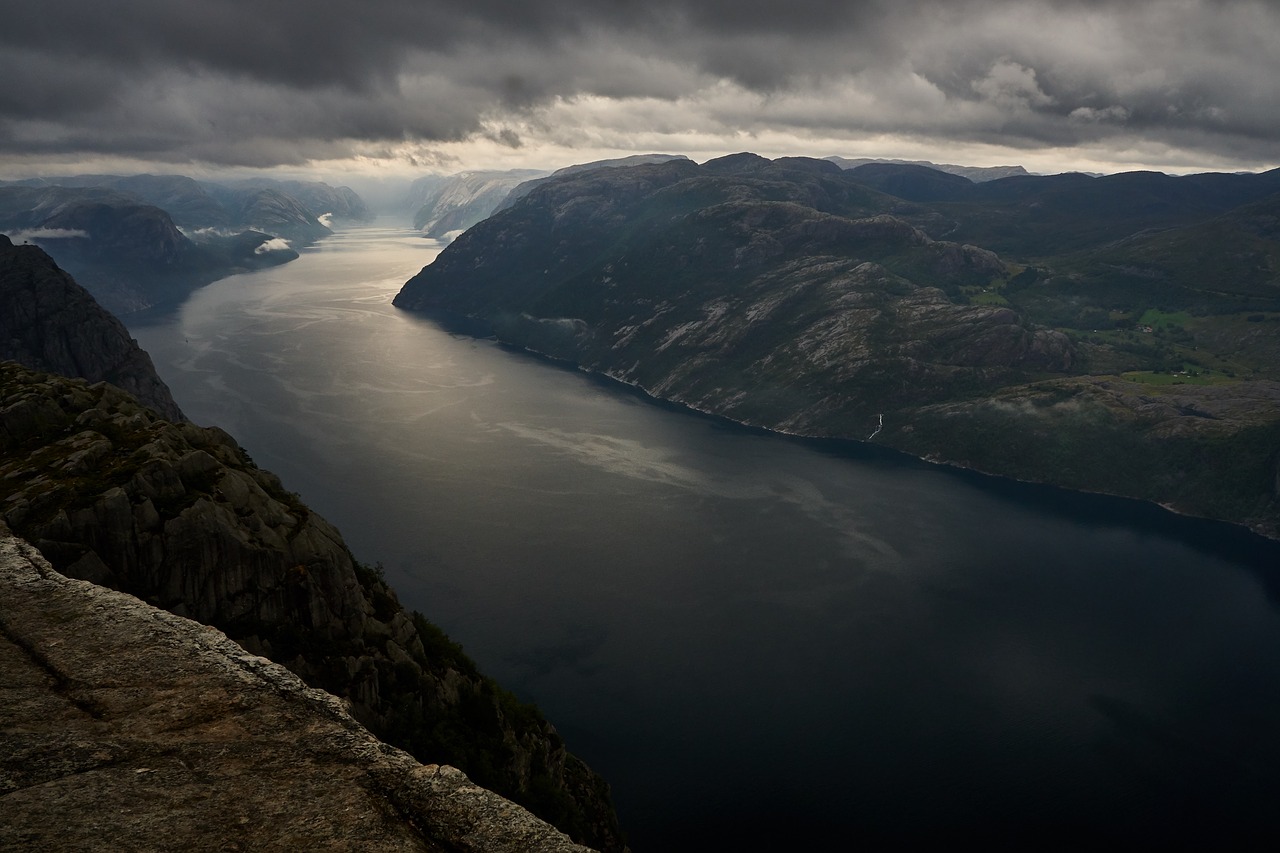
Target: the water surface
(760, 642)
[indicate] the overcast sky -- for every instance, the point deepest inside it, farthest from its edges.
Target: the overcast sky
(410, 86)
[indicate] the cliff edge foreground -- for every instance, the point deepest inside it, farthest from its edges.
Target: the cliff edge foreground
(179, 517)
(127, 727)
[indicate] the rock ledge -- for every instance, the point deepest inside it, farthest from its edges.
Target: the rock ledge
(127, 727)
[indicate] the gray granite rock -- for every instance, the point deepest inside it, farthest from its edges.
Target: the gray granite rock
(127, 727)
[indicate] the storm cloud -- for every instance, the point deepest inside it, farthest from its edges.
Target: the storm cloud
(238, 83)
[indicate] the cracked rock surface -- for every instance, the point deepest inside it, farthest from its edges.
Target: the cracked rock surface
(123, 726)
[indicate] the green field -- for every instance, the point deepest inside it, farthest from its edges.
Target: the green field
(1192, 376)
(1157, 319)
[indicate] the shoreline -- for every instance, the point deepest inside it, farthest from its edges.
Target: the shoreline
(864, 449)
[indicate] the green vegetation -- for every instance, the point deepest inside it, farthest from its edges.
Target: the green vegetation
(790, 298)
(1187, 376)
(1163, 320)
(988, 297)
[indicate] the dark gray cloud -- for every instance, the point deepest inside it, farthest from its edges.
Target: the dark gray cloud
(235, 82)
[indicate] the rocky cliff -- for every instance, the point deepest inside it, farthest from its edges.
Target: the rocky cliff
(793, 295)
(48, 322)
(178, 516)
(460, 201)
(128, 728)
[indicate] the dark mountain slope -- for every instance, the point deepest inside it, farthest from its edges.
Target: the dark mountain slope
(700, 283)
(524, 188)
(50, 323)
(977, 174)
(318, 198)
(129, 254)
(782, 294)
(1028, 218)
(913, 183)
(178, 516)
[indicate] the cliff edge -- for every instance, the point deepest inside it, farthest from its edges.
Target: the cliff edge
(179, 516)
(128, 727)
(49, 322)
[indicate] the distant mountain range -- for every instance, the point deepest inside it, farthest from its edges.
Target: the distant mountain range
(448, 205)
(977, 174)
(1114, 334)
(144, 240)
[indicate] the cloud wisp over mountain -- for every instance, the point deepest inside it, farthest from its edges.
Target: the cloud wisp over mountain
(1176, 84)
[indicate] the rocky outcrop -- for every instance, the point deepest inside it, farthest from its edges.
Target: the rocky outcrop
(48, 322)
(178, 516)
(126, 727)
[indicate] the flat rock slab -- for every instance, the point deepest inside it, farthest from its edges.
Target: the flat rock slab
(125, 727)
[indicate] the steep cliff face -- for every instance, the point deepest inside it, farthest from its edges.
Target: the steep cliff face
(126, 727)
(49, 322)
(178, 516)
(460, 201)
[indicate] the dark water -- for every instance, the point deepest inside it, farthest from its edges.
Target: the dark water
(762, 643)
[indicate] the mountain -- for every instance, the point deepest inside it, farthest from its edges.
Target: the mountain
(462, 200)
(113, 707)
(49, 323)
(449, 205)
(130, 254)
(141, 241)
(913, 183)
(977, 324)
(977, 174)
(229, 205)
(319, 199)
(271, 211)
(678, 276)
(179, 517)
(1043, 216)
(523, 189)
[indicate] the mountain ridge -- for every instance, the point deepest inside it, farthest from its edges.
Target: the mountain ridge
(142, 241)
(48, 322)
(790, 295)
